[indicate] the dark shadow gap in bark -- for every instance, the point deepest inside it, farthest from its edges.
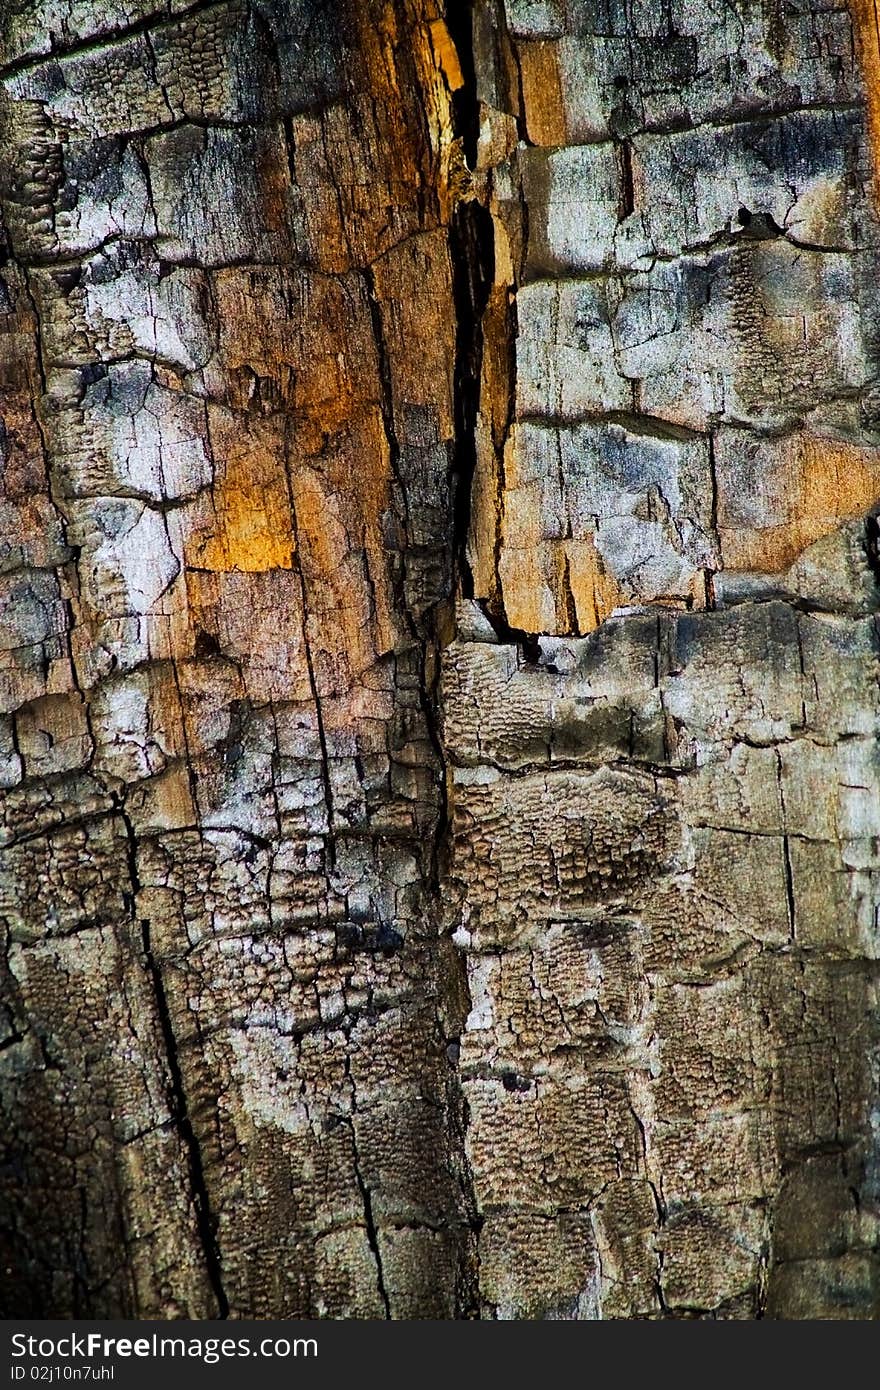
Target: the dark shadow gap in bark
(472, 249)
(205, 1220)
(872, 546)
(626, 198)
(366, 1196)
(465, 106)
(472, 256)
(472, 252)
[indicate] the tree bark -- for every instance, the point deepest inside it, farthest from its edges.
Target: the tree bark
(439, 659)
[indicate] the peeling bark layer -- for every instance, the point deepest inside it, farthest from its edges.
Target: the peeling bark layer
(439, 662)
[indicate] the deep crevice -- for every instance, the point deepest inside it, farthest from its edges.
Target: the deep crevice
(472, 255)
(872, 547)
(289, 148)
(384, 366)
(626, 202)
(465, 106)
(372, 1233)
(789, 888)
(786, 854)
(428, 681)
(205, 1220)
(709, 574)
(472, 250)
(386, 405)
(529, 643)
(370, 1228)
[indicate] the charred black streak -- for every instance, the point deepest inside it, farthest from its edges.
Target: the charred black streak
(290, 149)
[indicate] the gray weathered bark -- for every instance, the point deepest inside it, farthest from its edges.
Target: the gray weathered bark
(439, 873)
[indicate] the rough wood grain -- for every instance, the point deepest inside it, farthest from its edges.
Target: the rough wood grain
(438, 576)
(664, 864)
(229, 449)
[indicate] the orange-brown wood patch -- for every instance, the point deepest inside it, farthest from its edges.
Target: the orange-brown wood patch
(866, 26)
(815, 486)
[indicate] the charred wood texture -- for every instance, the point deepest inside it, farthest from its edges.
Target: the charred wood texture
(439, 457)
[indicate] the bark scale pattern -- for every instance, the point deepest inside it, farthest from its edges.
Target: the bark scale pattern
(228, 458)
(666, 831)
(329, 988)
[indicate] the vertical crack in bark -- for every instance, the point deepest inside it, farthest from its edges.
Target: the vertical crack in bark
(786, 854)
(472, 250)
(386, 405)
(708, 575)
(472, 247)
(370, 1227)
(326, 785)
(206, 1221)
(872, 547)
(626, 201)
(465, 105)
(384, 365)
(289, 149)
(472, 255)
